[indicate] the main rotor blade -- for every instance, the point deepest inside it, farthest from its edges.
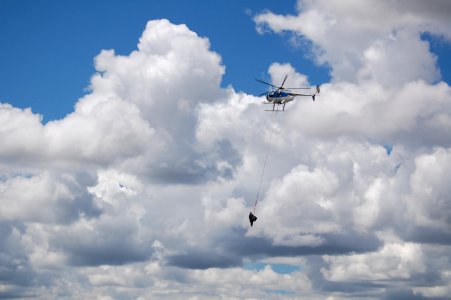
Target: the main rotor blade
(283, 82)
(265, 93)
(267, 83)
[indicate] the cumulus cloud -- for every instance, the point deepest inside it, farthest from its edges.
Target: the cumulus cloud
(16, 274)
(393, 261)
(86, 172)
(367, 40)
(46, 198)
(415, 114)
(144, 189)
(391, 99)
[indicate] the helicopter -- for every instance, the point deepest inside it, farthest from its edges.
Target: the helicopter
(283, 95)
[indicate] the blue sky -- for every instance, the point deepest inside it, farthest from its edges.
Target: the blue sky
(51, 44)
(442, 49)
(141, 186)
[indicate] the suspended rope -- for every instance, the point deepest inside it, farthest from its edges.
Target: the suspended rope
(268, 151)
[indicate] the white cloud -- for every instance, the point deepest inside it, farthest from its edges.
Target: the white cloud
(415, 113)
(428, 201)
(367, 40)
(20, 133)
(278, 72)
(238, 283)
(48, 197)
(292, 204)
(393, 261)
(113, 130)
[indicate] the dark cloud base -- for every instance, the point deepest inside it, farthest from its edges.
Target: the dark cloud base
(335, 244)
(428, 235)
(229, 251)
(204, 259)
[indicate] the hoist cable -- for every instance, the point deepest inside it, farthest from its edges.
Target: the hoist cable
(268, 150)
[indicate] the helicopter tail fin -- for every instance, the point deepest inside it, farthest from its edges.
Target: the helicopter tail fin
(317, 92)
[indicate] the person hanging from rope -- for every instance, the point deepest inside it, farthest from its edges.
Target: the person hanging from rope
(252, 218)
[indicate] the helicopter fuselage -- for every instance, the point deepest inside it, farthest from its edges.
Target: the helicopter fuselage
(279, 97)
